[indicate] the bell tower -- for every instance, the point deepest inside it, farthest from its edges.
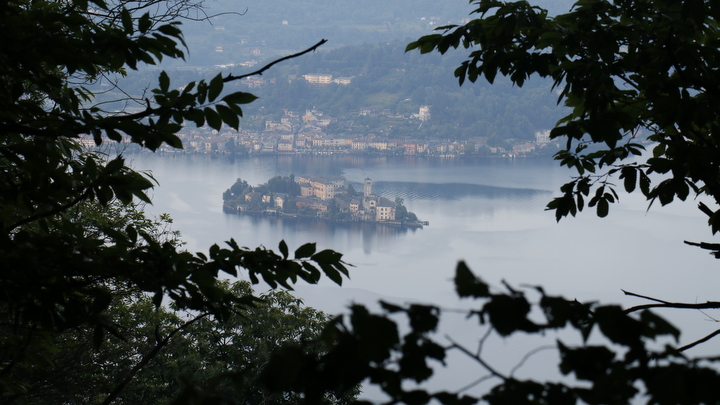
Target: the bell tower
(368, 187)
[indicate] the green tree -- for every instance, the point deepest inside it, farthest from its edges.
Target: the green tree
(401, 211)
(351, 191)
(204, 360)
(57, 274)
(630, 71)
(236, 190)
(283, 184)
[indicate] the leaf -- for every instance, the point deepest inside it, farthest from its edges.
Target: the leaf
(630, 175)
(332, 274)
(587, 363)
(416, 397)
(126, 20)
(145, 23)
(215, 87)
(174, 141)
(602, 207)
(313, 273)
(131, 234)
(305, 251)
(644, 184)
(654, 326)
(423, 318)
(508, 314)
(239, 98)
(283, 249)
(559, 311)
(164, 80)
(202, 91)
(391, 308)
(376, 335)
(327, 256)
(170, 30)
(618, 326)
(228, 116)
(213, 118)
(467, 285)
(196, 116)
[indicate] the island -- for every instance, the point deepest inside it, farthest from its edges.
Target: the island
(326, 198)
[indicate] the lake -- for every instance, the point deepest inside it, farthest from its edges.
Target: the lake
(488, 212)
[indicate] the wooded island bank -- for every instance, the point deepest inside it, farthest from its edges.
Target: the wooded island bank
(318, 197)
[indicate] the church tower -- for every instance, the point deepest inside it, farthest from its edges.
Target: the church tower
(368, 187)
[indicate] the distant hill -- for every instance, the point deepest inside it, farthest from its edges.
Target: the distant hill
(385, 77)
(269, 27)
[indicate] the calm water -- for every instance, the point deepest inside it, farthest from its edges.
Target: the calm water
(488, 212)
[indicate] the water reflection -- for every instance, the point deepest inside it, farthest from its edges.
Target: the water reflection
(451, 191)
(351, 235)
(453, 194)
(488, 212)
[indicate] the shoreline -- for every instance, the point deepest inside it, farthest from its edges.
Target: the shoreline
(276, 214)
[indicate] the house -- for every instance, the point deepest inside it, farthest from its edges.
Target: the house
(318, 78)
(359, 145)
(322, 187)
(379, 145)
(542, 137)
(410, 148)
(215, 143)
(384, 210)
(527, 147)
(253, 196)
(285, 146)
(306, 190)
(424, 113)
(279, 200)
(311, 203)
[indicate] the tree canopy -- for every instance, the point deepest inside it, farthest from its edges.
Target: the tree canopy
(62, 265)
(201, 358)
(634, 73)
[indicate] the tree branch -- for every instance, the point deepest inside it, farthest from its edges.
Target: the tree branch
(149, 110)
(260, 71)
(632, 294)
(697, 342)
(529, 354)
(147, 357)
(705, 209)
(455, 345)
(666, 304)
(50, 212)
(713, 247)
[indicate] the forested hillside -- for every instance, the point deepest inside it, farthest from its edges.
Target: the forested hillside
(393, 84)
(385, 77)
(366, 42)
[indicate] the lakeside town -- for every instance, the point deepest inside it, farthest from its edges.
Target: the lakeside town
(327, 198)
(296, 133)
